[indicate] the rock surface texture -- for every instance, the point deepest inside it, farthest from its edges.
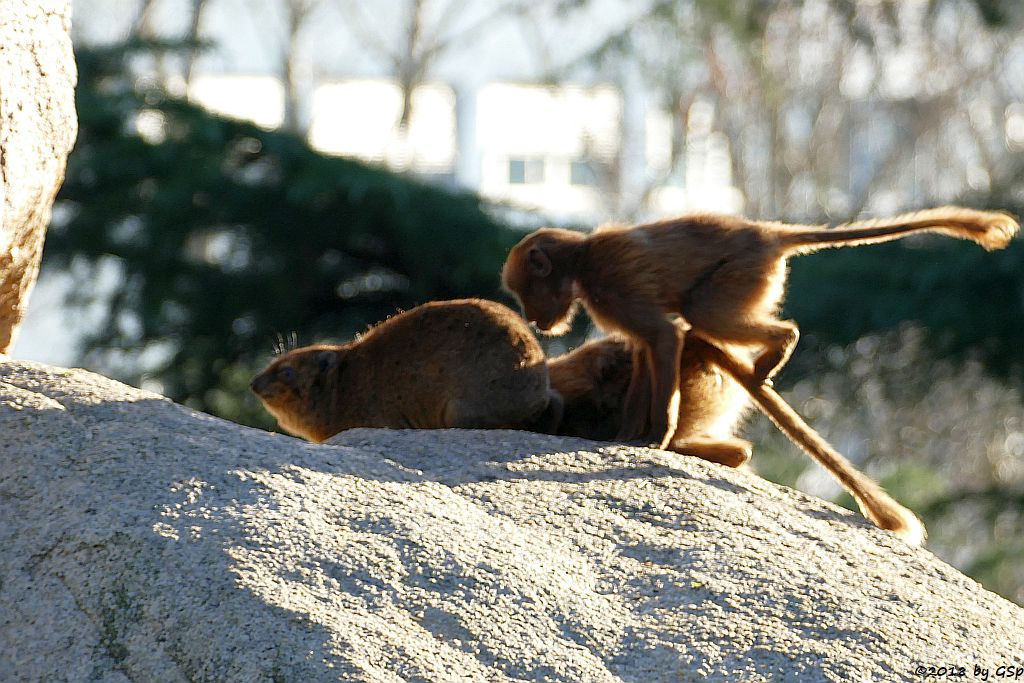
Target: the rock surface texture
(37, 130)
(142, 541)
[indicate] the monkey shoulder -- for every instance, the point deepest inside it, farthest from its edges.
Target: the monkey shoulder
(598, 366)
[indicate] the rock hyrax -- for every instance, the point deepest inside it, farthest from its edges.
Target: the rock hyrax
(469, 363)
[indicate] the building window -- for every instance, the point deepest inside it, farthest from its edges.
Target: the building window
(581, 172)
(525, 171)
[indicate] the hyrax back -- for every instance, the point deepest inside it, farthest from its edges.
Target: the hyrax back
(469, 364)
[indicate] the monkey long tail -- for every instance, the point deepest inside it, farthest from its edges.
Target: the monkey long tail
(991, 229)
(873, 501)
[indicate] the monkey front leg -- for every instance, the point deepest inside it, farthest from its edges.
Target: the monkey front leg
(651, 410)
(663, 364)
(636, 407)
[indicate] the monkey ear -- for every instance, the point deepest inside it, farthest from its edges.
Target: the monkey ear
(538, 262)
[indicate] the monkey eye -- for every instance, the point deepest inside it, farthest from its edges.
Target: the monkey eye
(539, 263)
(286, 374)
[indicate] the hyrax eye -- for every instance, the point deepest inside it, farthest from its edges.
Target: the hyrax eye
(286, 374)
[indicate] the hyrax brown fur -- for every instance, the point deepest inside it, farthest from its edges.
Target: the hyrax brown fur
(469, 363)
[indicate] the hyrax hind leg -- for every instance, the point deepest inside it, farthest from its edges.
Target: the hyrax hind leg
(549, 419)
(537, 413)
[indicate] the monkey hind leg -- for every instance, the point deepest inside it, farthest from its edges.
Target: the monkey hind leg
(730, 452)
(778, 337)
(782, 341)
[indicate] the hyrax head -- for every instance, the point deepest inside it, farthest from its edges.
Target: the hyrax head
(297, 388)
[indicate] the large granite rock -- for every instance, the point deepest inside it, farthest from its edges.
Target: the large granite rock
(142, 541)
(37, 129)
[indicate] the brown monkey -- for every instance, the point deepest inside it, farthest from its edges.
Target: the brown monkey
(724, 275)
(593, 381)
(469, 363)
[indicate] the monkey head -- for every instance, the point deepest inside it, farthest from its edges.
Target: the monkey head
(297, 389)
(540, 273)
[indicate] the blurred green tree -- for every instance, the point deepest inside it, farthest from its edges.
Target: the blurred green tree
(226, 236)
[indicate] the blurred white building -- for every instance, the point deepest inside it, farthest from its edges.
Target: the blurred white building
(558, 150)
(485, 120)
(360, 118)
(259, 99)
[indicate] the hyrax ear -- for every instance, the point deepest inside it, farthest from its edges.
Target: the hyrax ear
(538, 262)
(328, 360)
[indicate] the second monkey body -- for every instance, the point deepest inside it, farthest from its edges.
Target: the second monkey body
(593, 381)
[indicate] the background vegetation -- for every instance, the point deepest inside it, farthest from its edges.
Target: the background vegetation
(227, 240)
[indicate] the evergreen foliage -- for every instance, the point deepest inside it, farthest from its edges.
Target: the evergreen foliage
(228, 236)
